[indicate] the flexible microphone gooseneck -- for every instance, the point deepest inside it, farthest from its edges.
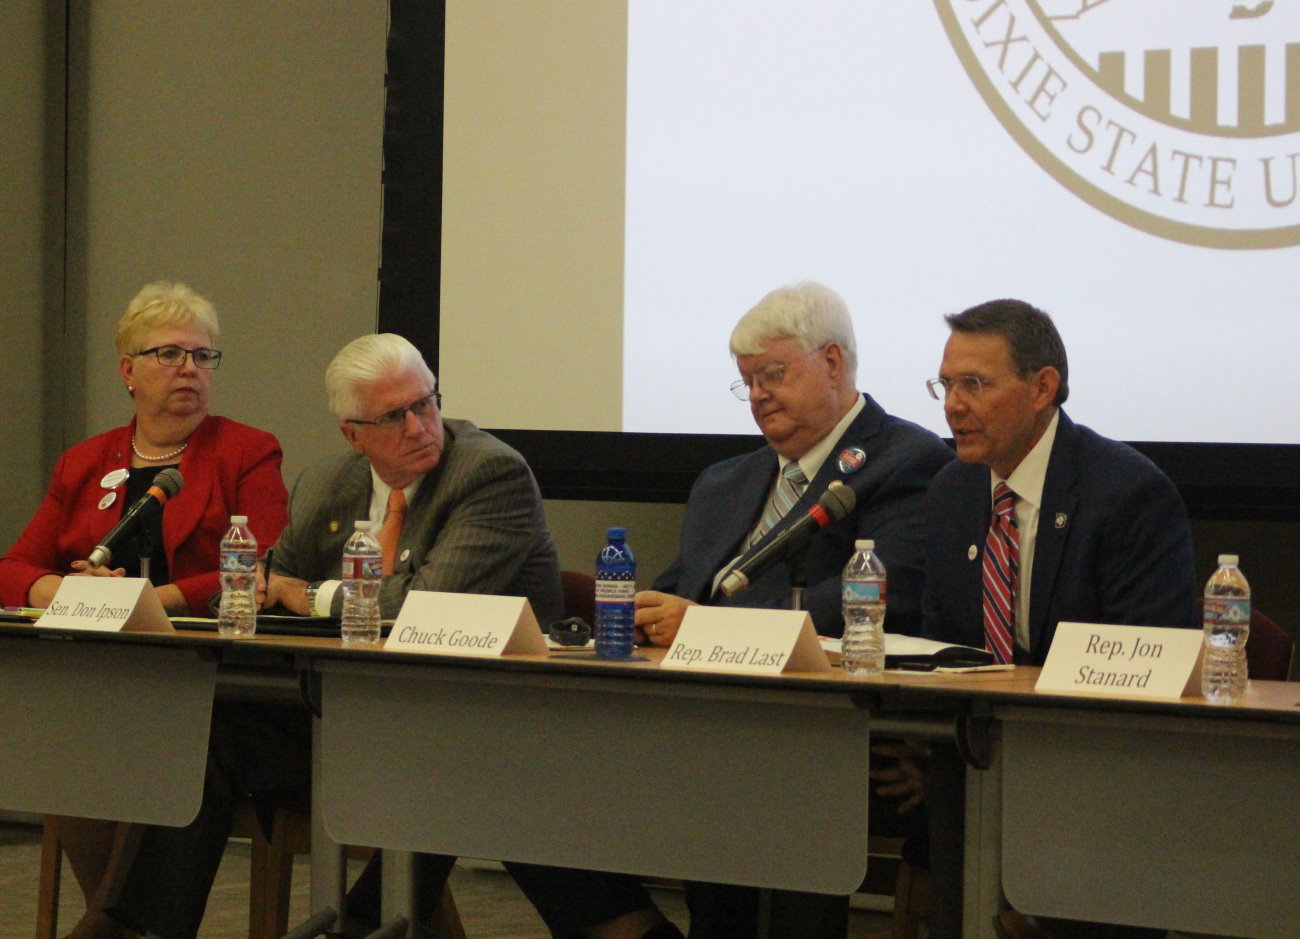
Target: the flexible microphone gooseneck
(836, 502)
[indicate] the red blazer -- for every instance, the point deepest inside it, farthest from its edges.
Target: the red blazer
(229, 469)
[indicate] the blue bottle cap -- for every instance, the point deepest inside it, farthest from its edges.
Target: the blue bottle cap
(617, 533)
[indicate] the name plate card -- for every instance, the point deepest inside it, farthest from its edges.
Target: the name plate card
(730, 639)
(476, 624)
(1141, 661)
(107, 604)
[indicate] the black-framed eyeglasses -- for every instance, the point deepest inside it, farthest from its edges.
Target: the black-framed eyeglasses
(174, 356)
(968, 386)
(390, 420)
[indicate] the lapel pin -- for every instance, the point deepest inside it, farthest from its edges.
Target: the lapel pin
(406, 553)
(109, 499)
(1061, 519)
(851, 459)
(334, 525)
(113, 479)
(972, 553)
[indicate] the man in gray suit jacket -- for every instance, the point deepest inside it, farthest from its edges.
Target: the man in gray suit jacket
(473, 518)
(473, 523)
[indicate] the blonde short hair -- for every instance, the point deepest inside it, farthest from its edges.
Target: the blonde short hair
(161, 305)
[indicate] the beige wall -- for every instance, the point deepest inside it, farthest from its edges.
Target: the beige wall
(537, 86)
(22, 258)
(240, 153)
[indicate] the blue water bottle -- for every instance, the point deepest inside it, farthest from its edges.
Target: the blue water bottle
(615, 593)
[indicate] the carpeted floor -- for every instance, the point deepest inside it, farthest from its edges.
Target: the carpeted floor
(490, 905)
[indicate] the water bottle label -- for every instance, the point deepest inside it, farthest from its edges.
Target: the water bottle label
(863, 591)
(238, 561)
(364, 567)
(615, 591)
(1227, 611)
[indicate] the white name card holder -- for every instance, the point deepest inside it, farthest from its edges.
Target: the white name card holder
(434, 623)
(107, 604)
(1123, 661)
(733, 639)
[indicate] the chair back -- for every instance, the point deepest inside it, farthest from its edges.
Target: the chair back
(1268, 649)
(579, 596)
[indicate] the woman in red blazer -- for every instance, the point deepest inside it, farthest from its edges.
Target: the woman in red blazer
(167, 362)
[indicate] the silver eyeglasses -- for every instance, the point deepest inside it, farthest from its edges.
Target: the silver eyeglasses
(769, 379)
(174, 356)
(391, 420)
(968, 386)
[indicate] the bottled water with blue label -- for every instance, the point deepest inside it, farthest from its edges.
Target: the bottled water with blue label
(363, 572)
(1227, 626)
(237, 614)
(615, 593)
(864, 595)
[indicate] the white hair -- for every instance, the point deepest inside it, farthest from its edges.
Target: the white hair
(364, 361)
(809, 312)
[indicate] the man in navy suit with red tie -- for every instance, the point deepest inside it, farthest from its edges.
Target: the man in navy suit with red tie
(1039, 521)
(797, 358)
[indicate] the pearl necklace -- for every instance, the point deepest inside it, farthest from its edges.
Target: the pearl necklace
(157, 459)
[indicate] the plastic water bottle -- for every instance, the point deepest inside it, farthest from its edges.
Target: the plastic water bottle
(363, 572)
(615, 593)
(1227, 626)
(864, 595)
(237, 615)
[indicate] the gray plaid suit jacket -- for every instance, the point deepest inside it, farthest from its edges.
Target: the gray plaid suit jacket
(475, 526)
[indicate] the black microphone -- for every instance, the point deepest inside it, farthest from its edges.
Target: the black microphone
(165, 485)
(836, 502)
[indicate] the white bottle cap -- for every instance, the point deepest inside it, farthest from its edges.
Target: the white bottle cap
(239, 519)
(865, 544)
(362, 524)
(1227, 559)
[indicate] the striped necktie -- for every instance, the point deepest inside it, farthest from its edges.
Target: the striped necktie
(391, 531)
(1001, 575)
(788, 490)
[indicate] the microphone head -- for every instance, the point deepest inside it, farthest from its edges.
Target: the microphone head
(169, 481)
(838, 500)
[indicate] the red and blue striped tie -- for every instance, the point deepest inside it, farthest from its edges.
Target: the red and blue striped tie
(1001, 573)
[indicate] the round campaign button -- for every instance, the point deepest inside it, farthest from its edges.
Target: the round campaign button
(851, 459)
(109, 499)
(113, 480)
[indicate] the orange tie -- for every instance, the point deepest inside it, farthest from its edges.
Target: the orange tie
(391, 532)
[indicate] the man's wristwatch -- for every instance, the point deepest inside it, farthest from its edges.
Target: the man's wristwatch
(312, 589)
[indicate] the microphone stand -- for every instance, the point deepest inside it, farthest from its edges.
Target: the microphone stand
(145, 541)
(798, 566)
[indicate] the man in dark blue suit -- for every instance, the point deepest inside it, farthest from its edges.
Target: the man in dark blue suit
(797, 359)
(1104, 536)
(1101, 533)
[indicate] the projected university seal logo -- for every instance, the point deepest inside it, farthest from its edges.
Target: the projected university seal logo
(1178, 117)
